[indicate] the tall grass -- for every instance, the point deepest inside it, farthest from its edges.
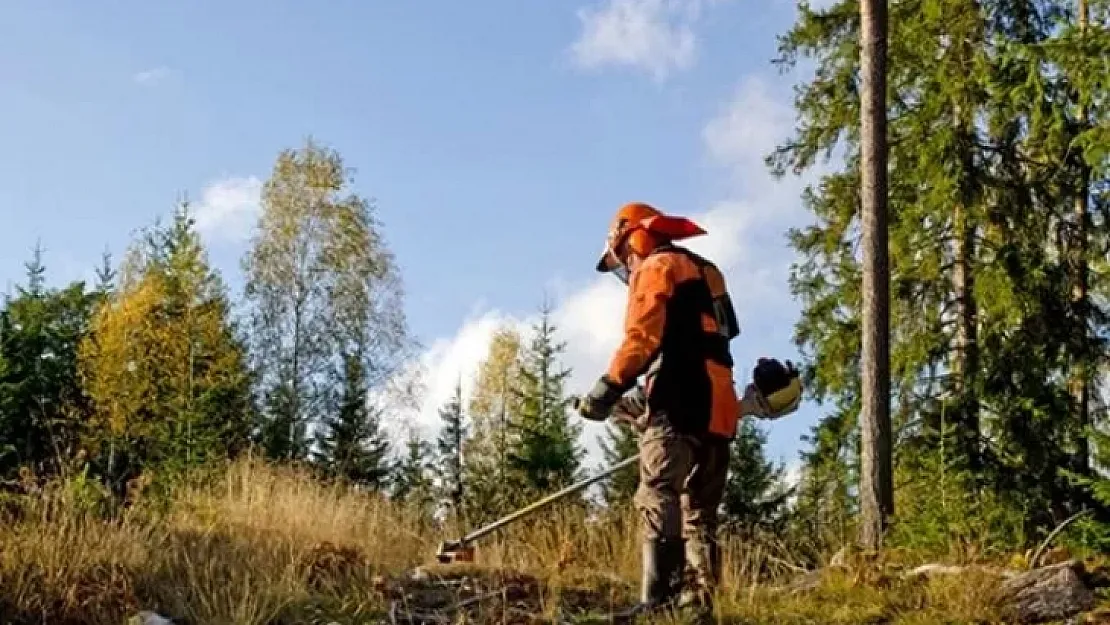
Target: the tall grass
(257, 547)
(267, 545)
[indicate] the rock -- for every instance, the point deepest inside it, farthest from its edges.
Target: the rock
(1051, 593)
(147, 617)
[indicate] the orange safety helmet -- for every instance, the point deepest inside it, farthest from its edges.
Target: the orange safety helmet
(640, 228)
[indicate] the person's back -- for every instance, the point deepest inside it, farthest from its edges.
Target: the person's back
(691, 379)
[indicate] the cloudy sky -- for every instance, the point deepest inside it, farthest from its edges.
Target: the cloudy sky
(497, 138)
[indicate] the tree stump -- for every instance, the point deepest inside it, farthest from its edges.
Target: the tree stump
(1051, 593)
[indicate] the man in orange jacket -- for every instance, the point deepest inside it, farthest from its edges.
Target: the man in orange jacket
(678, 323)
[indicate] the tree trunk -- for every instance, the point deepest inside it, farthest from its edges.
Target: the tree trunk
(1080, 390)
(876, 486)
(966, 357)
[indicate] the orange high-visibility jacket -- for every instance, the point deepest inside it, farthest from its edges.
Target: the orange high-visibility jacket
(678, 323)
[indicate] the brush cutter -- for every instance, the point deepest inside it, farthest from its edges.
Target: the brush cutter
(462, 550)
(777, 396)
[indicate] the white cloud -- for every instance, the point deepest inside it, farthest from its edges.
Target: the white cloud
(654, 36)
(228, 209)
(151, 76)
(451, 361)
(746, 129)
(792, 474)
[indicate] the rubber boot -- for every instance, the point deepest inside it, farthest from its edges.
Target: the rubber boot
(662, 566)
(704, 560)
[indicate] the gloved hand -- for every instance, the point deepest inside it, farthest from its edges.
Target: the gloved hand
(598, 403)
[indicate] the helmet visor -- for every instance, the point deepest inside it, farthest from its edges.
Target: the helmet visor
(621, 272)
(610, 263)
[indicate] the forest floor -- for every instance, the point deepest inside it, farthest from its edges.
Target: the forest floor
(266, 546)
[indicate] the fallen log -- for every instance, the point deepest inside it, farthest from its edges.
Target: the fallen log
(931, 570)
(1051, 593)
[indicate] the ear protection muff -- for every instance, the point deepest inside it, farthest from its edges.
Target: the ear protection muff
(640, 242)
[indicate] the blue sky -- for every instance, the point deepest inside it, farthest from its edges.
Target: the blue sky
(497, 138)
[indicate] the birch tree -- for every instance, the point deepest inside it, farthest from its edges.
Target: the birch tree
(320, 282)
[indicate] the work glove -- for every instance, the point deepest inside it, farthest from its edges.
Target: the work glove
(599, 402)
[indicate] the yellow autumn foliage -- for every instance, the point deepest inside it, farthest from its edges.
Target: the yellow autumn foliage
(119, 359)
(159, 360)
(493, 402)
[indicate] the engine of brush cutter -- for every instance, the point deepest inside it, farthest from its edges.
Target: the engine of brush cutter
(454, 551)
(779, 384)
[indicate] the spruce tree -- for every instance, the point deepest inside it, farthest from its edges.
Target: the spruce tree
(620, 443)
(412, 475)
(546, 455)
(826, 499)
(755, 495)
(105, 275)
(277, 432)
(983, 318)
(351, 445)
(450, 470)
(42, 405)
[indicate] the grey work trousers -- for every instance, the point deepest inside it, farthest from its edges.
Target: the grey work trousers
(682, 482)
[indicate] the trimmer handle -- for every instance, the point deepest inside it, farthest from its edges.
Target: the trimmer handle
(620, 412)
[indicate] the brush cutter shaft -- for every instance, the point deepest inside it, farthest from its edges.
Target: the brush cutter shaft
(573, 488)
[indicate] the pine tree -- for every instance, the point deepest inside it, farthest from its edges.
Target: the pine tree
(620, 443)
(546, 455)
(351, 445)
(979, 185)
(876, 481)
(451, 463)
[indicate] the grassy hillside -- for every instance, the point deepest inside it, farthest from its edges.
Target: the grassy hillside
(263, 545)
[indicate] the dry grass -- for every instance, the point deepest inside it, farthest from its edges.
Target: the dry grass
(264, 547)
(271, 546)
